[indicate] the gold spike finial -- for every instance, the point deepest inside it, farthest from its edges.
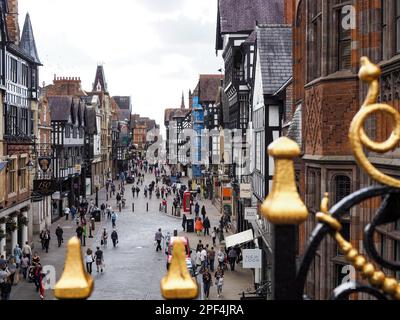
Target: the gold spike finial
(75, 282)
(178, 284)
(283, 204)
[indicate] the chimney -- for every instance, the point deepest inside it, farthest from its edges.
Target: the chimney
(12, 21)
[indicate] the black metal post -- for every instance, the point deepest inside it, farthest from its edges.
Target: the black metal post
(147, 207)
(284, 262)
(97, 196)
(133, 207)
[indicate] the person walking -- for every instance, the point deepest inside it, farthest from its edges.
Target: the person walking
(84, 233)
(99, 256)
(184, 221)
(5, 285)
(137, 192)
(17, 255)
(47, 240)
(24, 265)
(27, 251)
(207, 226)
(103, 210)
(12, 266)
(38, 274)
(207, 280)
(219, 280)
(67, 212)
(197, 209)
(59, 234)
(158, 238)
(203, 212)
(221, 259)
(104, 237)
(109, 211)
(113, 219)
(221, 235)
(198, 259)
(214, 236)
(89, 259)
(211, 259)
(41, 236)
(114, 238)
(118, 198)
(232, 256)
(199, 227)
(199, 246)
(204, 258)
(79, 232)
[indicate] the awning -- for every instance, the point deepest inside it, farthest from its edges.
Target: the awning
(239, 238)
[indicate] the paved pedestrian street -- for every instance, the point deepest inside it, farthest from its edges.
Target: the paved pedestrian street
(133, 270)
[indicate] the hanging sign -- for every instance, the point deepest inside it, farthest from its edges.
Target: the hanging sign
(44, 163)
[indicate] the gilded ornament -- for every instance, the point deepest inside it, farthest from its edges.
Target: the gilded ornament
(178, 283)
(75, 283)
(283, 206)
(370, 73)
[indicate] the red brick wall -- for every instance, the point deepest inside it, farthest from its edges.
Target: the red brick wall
(328, 111)
(12, 21)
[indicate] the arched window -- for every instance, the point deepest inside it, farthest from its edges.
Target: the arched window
(342, 187)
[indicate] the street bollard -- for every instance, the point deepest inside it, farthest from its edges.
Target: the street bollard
(147, 207)
(165, 208)
(175, 233)
(133, 207)
(106, 196)
(159, 208)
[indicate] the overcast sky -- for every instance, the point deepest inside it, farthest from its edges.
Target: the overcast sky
(151, 49)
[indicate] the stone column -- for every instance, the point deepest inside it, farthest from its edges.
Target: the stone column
(3, 241)
(24, 237)
(14, 234)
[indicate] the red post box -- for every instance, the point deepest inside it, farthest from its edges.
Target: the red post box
(186, 201)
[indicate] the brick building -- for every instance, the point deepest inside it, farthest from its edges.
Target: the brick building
(328, 43)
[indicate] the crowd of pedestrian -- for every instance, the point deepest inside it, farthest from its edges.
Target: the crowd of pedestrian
(21, 265)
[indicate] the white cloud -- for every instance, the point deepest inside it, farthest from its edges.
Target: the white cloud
(151, 49)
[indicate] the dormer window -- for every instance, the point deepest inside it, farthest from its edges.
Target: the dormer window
(98, 88)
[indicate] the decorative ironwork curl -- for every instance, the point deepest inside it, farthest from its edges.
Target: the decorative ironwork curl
(323, 229)
(370, 73)
(345, 290)
(375, 277)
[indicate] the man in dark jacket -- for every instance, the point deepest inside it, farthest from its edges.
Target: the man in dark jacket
(206, 225)
(114, 237)
(59, 234)
(79, 232)
(197, 209)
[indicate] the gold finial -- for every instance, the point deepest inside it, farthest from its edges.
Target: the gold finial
(370, 73)
(178, 284)
(283, 204)
(75, 282)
